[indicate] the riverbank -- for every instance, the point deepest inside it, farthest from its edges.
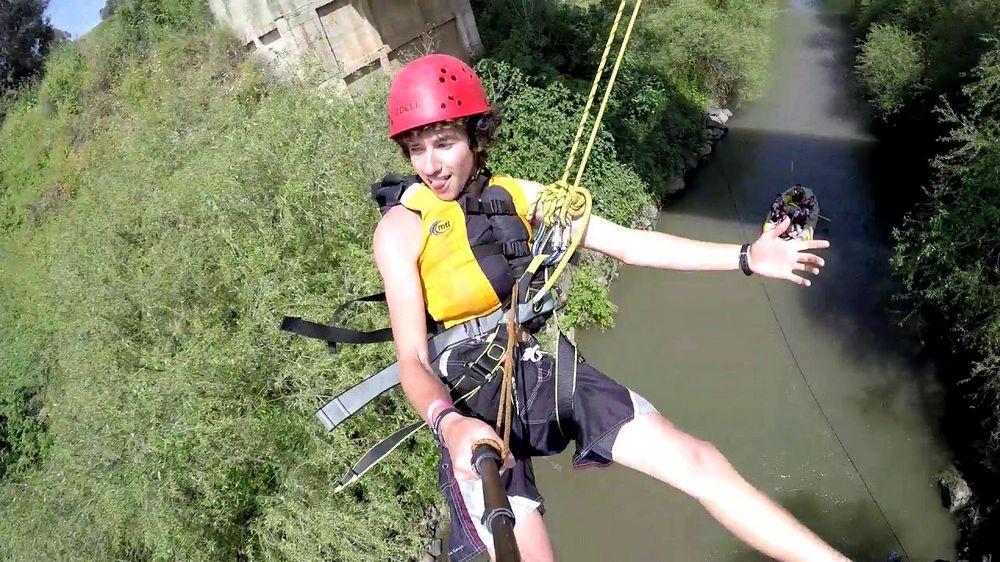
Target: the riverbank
(932, 69)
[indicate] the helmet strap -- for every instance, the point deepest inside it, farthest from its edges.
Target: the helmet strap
(476, 183)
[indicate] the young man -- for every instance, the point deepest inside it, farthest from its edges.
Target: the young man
(452, 244)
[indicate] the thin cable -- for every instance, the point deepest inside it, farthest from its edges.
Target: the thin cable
(798, 366)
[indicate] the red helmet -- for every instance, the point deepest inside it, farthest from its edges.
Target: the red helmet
(434, 88)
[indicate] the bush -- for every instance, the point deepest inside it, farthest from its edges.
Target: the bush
(948, 256)
(159, 232)
(891, 67)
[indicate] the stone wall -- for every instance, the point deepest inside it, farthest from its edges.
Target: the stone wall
(352, 39)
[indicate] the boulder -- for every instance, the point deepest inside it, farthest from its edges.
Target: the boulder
(955, 491)
(718, 116)
(675, 186)
(435, 548)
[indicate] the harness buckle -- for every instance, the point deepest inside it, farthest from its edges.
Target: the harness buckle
(491, 358)
(493, 347)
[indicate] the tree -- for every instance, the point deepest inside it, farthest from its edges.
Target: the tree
(25, 36)
(59, 37)
(109, 8)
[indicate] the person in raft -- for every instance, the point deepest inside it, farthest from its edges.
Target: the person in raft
(452, 241)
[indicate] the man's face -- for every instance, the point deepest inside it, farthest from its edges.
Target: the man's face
(443, 159)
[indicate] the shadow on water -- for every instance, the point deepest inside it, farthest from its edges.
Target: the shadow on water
(850, 305)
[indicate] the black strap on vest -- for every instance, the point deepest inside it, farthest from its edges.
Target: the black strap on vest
(473, 206)
(389, 190)
(512, 250)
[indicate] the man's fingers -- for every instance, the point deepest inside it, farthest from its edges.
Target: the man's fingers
(816, 245)
(806, 267)
(798, 280)
(811, 259)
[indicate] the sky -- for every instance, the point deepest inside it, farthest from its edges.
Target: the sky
(75, 16)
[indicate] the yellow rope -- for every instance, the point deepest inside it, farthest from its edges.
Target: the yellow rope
(593, 91)
(562, 205)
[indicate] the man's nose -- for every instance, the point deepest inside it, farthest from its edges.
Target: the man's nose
(429, 161)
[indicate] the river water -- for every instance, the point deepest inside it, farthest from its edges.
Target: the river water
(815, 395)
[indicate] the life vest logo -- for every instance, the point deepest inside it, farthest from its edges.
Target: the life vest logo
(440, 227)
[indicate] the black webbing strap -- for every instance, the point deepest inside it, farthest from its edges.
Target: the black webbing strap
(516, 249)
(510, 250)
(480, 251)
(377, 453)
(333, 335)
(332, 332)
(473, 206)
(567, 360)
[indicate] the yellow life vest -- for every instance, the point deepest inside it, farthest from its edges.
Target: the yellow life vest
(474, 248)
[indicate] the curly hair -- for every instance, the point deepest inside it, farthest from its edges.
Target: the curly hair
(481, 130)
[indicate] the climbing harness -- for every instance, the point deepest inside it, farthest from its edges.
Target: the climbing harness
(535, 295)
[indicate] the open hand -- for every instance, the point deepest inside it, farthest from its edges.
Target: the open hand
(771, 256)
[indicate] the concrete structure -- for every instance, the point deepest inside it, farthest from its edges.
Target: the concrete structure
(352, 38)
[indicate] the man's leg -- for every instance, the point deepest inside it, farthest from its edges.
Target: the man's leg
(652, 445)
(532, 539)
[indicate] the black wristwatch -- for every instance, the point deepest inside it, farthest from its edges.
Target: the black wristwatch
(745, 260)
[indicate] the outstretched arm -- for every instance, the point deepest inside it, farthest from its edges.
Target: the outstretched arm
(768, 255)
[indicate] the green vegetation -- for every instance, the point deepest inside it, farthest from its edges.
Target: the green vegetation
(935, 44)
(25, 38)
(890, 66)
(934, 67)
(163, 202)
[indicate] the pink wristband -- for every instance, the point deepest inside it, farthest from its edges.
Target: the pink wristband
(434, 406)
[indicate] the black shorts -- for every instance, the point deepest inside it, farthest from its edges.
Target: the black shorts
(601, 407)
